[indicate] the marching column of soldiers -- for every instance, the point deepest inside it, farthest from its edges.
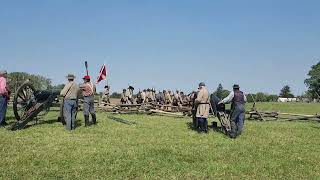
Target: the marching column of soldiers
(198, 100)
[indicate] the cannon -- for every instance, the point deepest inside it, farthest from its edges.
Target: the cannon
(29, 103)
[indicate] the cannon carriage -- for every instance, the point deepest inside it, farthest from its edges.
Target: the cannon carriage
(29, 103)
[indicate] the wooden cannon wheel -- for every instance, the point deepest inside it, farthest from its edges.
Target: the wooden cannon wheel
(22, 98)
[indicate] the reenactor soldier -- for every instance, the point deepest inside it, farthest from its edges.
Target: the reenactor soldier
(143, 96)
(148, 96)
(184, 98)
(129, 95)
(4, 97)
(70, 94)
(203, 107)
(124, 98)
(88, 92)
(193, 97)
(106, 94)
(237, 100)
(168, 99)
(160, 98)
(153, 93)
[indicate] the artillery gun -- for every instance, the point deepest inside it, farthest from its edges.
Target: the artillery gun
(29, 103)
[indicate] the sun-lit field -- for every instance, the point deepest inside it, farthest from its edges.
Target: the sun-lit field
(162, 147)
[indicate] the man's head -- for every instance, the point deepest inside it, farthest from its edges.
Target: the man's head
(201, 85)
(124, 90)
(86, 78)
(106, 87)
(3, 73)
(70, 77)
(236, 87)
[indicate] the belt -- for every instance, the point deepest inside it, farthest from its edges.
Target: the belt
(71, 99)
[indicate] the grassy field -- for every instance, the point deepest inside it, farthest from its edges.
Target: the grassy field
(159, 147)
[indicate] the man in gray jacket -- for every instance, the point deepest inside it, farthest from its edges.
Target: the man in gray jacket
(70, 94)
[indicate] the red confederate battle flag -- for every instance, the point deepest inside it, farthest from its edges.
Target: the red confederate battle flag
(102, 74)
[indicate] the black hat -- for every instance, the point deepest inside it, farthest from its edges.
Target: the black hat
(236, 86)
(202, 84)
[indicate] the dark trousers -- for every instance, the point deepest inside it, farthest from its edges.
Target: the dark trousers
(88, 106)
(3, 109)
(202, 124)
(237, 120)
(70, 112)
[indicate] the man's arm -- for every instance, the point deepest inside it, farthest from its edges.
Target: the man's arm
(228, 99)
(199, 97)
(64, 90)
(3, 86)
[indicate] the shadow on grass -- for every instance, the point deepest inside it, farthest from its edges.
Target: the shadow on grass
(40, 122)
(212, 127)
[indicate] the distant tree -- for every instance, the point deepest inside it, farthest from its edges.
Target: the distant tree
(16, 79)
(250, 98)
(220, 92)
(58, 87)
(272, 98)
(261, 97)
(313, 82)
(286, 92)
(115, 95)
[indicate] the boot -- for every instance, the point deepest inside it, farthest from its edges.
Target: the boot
(94, 118)
(86, 121)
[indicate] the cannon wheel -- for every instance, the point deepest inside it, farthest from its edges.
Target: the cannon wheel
(21, 98)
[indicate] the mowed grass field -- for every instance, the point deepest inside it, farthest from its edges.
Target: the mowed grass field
(159, 147)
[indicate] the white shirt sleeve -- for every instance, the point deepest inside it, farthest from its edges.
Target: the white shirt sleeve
(229, 98)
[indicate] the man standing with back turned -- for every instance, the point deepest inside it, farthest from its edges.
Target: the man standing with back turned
(203, 107)
(70, 94)
(88, 91)
(238, 100)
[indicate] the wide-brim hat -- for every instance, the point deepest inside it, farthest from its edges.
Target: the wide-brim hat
(106, 86)
(236, 86)
(202, 84)
(131, 87)
(70, 76)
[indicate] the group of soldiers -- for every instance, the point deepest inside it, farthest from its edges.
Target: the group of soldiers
(71, 93)
(200, 101)
(149, 96)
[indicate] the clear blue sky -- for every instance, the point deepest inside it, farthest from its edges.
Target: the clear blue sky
(260, 44)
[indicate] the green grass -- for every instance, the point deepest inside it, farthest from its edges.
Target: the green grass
(297, 108)
(159, 147)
